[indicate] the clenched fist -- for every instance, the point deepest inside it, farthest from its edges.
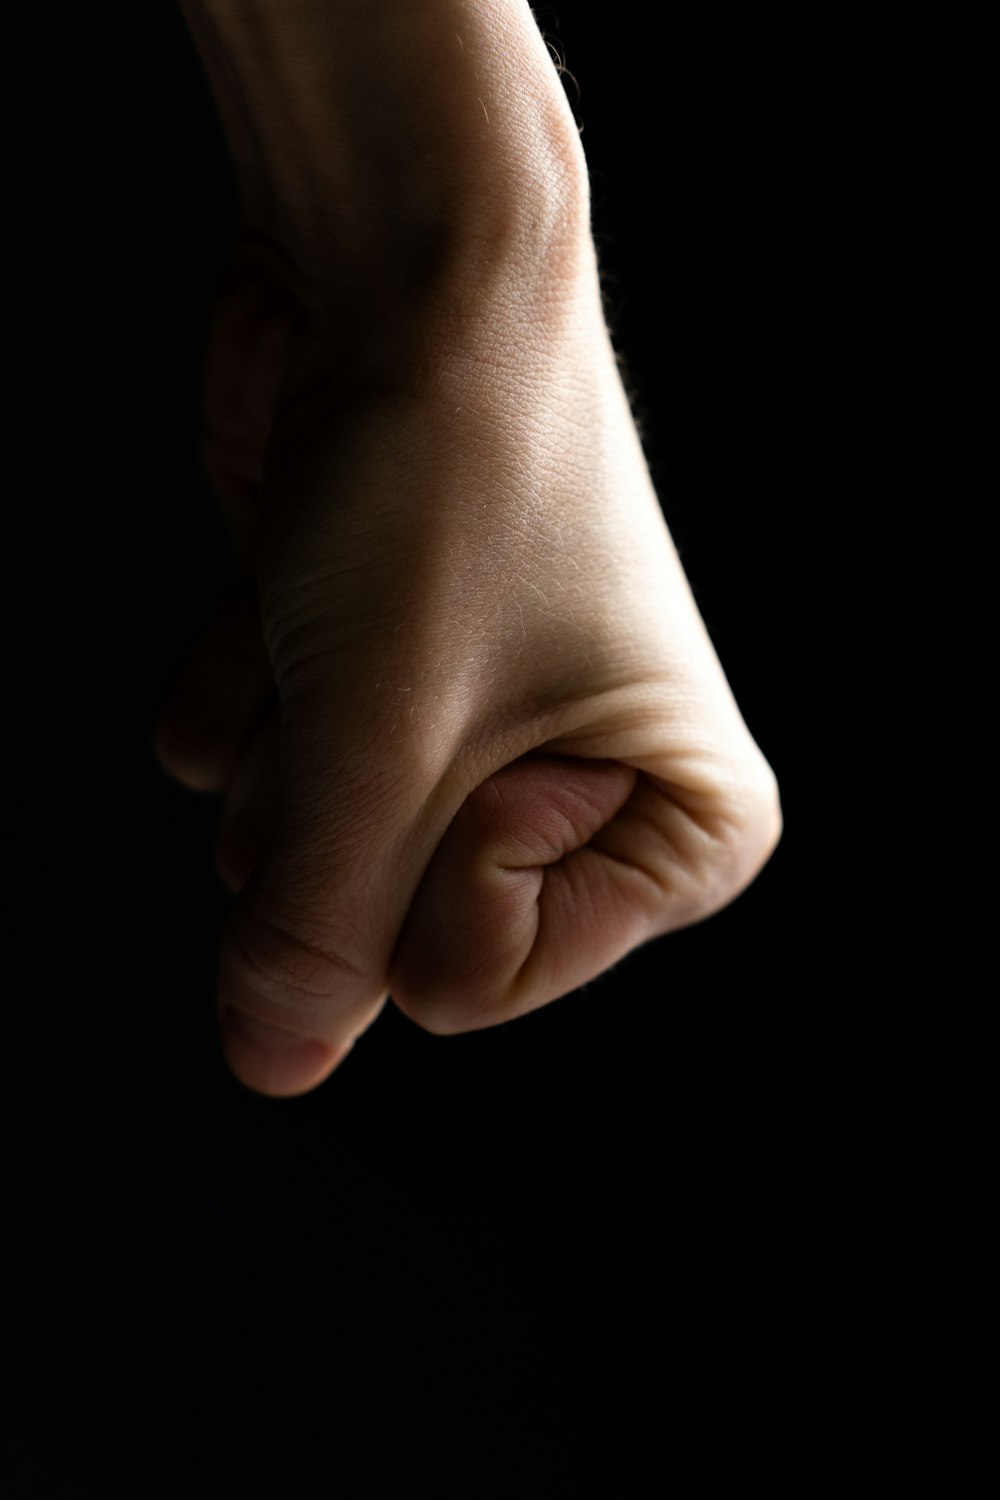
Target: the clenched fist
(474, 740)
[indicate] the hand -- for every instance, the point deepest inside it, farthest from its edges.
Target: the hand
(474, 739)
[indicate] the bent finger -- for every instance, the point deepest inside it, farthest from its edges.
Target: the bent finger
(215, 697)
(514, 910)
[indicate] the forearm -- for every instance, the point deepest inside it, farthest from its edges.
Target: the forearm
(372, 139)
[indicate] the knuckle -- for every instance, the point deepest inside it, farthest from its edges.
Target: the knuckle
(449, 1013)
(457, 976)
(433, 1017)
(443, 997)
(745, 833)
(283, 975)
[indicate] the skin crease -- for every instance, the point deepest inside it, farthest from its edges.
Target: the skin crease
(473, 740)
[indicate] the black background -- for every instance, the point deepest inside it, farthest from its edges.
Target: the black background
(663, 1236)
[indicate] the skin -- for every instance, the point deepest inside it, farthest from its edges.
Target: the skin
(474, 742)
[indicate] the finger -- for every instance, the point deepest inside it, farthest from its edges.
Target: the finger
(305, 949)
(215, 697)
(249, 818)
(514, 909)
(552, 871)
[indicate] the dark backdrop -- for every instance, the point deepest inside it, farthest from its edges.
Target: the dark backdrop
(660, 1228)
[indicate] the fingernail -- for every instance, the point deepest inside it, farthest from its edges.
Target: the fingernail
(270, 1060)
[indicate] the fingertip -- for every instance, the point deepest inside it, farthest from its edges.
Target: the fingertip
(274, 1062)
(181, 758)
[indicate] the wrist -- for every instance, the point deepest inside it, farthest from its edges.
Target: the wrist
(378, 144)
(413, 176)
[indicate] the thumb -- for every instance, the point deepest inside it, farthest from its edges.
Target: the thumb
(306, 945)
